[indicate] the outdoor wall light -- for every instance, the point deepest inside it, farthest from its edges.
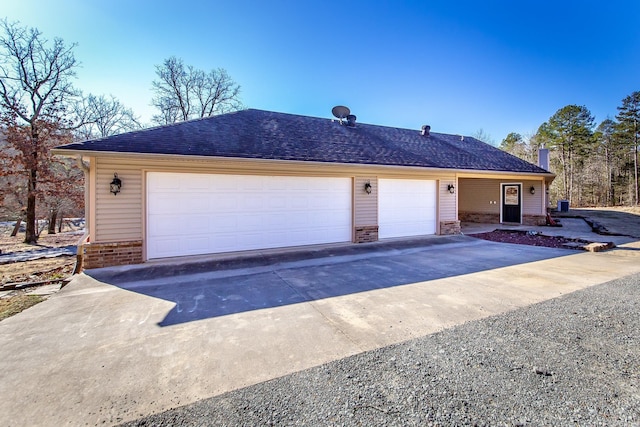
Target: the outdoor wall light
(532, 190)
(451, 188)
(367, 187)
(115, 185)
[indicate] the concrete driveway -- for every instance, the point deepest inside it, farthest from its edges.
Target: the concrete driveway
(117, 344)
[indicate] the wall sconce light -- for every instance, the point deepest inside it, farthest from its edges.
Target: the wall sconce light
(451, 188)
(532, 190)
(367, 188)
(115, 185)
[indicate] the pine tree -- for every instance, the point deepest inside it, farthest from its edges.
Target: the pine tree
(629, 131)
(606, 147)
(569, 133)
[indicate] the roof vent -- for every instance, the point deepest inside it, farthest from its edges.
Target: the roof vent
(351, 120)
(425, 130)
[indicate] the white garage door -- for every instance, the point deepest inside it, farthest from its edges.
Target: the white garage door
(192, 214)
(406, 207)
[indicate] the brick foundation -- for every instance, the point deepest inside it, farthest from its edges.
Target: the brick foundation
(494, 218)
(481, 217)
(98, 255)
(449, 227)
(367, 233)
(534, 220)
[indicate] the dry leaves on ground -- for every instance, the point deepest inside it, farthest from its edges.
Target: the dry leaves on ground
(40, 269)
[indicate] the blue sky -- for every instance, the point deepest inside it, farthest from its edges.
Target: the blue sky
(459, 66)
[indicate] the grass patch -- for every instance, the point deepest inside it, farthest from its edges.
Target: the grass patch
(14, 305)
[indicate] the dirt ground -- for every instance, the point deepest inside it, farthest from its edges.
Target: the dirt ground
(13, 301)
(40, 269)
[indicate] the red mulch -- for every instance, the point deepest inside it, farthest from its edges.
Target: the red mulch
(525, 238)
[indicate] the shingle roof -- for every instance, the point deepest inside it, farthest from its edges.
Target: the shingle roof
(278, 136)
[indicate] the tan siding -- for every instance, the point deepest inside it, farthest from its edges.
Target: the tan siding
(447, 203)
(483, 196)
(479, 195)
(118, 218)
(365, 205)
(533, 203)
(91, 211)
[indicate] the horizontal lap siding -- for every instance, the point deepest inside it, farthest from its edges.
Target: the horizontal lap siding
(365, 205)
(476, 195)
(119, 217)
(533, 203)
(447, 205)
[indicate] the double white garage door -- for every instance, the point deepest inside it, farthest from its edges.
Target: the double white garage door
(193, 214)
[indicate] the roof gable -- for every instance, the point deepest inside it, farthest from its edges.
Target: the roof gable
(278, 136)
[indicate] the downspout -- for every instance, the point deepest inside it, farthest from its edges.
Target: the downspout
(83, 240)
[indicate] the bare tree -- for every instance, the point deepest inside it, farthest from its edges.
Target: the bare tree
(35, 82)
(184, 93)
(483, 136)
(12, 187)
(63, 191)
(101, 116)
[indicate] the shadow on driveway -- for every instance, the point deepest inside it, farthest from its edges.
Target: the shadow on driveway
(220, 287)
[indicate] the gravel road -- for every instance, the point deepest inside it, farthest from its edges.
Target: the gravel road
(574, 360)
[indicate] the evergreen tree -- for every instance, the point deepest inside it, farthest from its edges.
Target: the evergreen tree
(629, 132)
(520, 146)
(569, 133)
(606, 149)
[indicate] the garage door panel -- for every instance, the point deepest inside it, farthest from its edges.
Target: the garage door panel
(277, 201)
(406, 207)
(282, 222)
(165, 204)
(166, 245)
(166, 182)
(196, 204)
(195, 183)
(243, 212)
(196, 244)
(165, 225)
(300, 202)
(225, 203)
(226, 241)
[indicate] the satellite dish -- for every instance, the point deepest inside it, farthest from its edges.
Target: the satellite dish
(340, 112)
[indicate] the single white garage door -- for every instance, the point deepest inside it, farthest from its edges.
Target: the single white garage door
(406, 207)
(192, 214)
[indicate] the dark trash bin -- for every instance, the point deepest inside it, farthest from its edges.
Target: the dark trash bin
(563, 206)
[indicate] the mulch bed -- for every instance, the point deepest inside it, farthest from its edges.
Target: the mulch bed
(528, 238)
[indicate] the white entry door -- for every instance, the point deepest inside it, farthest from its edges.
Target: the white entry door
(406, 207)
(192, 214)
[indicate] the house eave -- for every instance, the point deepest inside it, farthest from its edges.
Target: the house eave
(548, 176)
(368, 167)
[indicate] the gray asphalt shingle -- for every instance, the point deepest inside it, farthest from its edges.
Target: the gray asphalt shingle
(270, 135)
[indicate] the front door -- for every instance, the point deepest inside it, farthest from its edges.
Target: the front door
(511, 202)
